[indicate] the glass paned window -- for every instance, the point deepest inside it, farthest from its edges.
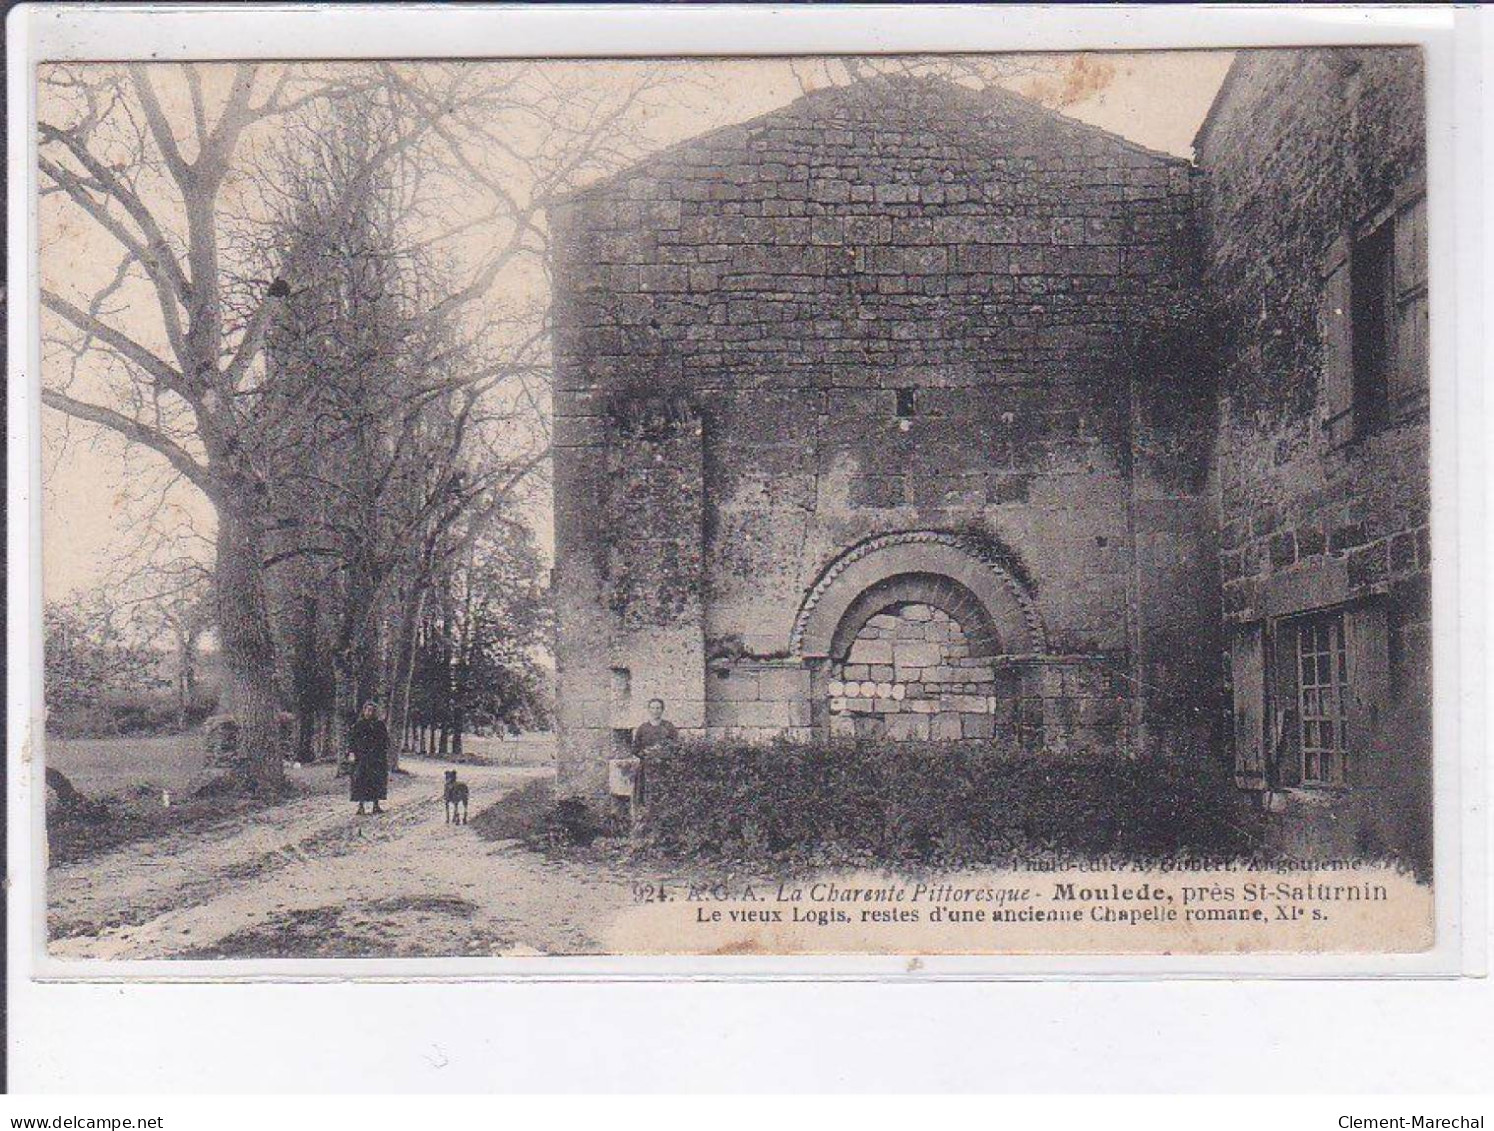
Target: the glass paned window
(1322, 669)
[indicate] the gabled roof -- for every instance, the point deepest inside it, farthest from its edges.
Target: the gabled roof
(1222, 95)
(1345, 59)
(991, 106)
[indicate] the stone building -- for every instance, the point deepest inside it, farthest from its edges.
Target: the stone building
(1313, 212)
(878, 415)
(912, 411)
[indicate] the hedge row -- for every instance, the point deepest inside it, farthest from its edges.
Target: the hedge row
(141, 716)
(853, 802)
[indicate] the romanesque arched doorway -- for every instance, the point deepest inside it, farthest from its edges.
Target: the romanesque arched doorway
(912, 636)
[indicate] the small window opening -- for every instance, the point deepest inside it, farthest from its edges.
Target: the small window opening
(622, 686)
(905, 405)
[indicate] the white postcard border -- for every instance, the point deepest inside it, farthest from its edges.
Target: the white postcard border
(52, 33)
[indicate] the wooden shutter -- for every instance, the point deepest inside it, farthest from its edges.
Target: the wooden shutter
(1248, 671)
(1409, 375)
(1336, 333)
(1368, 654)
(1284, 725)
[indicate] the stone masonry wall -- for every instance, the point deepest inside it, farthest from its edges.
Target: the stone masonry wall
(1301, 148)
(633, 614)
(910, 675)
(903, 305)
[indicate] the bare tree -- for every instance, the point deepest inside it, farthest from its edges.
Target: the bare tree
(167, 351)
(173, 603)
(370, 419)
(153, 186)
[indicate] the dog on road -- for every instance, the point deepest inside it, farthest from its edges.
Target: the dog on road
(456, 799)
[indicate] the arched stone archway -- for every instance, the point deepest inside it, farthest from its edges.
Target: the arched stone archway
(915, 591)
(905, 635)
(959, 559)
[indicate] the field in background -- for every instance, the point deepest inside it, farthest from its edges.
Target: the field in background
(103, 767)
(99, 767)
(525, 750)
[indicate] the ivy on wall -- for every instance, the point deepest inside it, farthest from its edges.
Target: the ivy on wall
(655, 554)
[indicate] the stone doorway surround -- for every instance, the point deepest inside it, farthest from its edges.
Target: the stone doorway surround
(941, 554)
(903, 633)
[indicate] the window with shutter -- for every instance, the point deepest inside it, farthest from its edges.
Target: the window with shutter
(1248, 670)
(1409, 373)
(1374, 320)
(1329, 682)
(1335, 332)
(1371, 295)
(1368, 675)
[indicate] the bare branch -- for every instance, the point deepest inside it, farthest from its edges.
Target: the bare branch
(249, 346)
(158, 252)
(127, 347)
(160, 126)
(199, 110)
(139, 433)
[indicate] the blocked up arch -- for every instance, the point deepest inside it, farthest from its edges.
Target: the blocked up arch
(936, 591)
(929, 564)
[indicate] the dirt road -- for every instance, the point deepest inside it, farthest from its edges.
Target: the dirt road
(309, 879)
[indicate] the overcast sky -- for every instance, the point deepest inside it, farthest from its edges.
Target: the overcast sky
(1157, 99)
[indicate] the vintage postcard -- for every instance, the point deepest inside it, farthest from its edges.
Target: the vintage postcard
(902, 505)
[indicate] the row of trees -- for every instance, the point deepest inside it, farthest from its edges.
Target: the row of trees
(297, 325)
(470, 666)
(134, 661)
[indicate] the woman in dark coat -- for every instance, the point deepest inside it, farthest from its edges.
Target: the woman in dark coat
(368, 750)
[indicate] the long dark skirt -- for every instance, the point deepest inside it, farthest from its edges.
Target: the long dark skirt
(370, 781)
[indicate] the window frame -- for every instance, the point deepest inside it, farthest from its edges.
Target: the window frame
(1329, 632)
(1348, 416)
(1366, 692)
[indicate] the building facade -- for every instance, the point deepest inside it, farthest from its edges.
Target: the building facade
(912, 412)
(1313, 212)
(884, 414)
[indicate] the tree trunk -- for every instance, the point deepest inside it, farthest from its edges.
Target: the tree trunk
(325, 751)
(345, 701)
(448, 701)
(404, 670)
(308, 697)
(189, 661)
(352, 655)
(248, 652)
(183, 679)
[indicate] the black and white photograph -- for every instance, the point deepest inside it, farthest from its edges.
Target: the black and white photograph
(893, 504)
